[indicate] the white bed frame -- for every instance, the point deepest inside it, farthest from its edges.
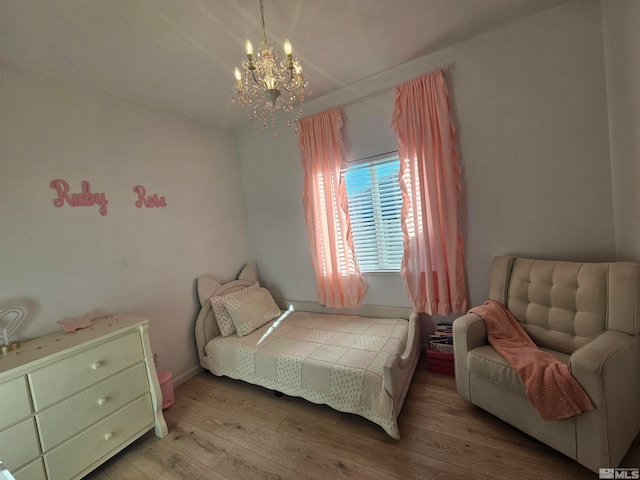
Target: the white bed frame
(206, 327)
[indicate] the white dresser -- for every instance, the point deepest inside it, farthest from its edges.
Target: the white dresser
(70, 401)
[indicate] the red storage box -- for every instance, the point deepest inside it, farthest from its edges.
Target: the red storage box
(439, 362)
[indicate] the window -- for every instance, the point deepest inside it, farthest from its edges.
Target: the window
(375, 203)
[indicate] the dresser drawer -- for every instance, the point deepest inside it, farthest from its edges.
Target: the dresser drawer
(65, 377)
(66, 418)
(93, 444)
(19, 444)
(33, 471)
(16, 404)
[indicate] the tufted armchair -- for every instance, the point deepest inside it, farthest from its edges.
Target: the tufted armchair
(585, 314)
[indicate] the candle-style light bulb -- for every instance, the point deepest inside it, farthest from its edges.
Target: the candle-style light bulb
(287, 50)
(236, 73)
(248, 47)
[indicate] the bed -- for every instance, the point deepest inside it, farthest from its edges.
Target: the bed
(352, 363)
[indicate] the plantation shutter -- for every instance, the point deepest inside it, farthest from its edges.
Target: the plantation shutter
(375, 204)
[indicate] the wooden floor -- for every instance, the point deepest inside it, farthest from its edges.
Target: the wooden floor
(226, 429)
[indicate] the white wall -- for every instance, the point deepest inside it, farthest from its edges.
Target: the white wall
(532, 112)
(622, 47)
(529, 103)
(69, 261)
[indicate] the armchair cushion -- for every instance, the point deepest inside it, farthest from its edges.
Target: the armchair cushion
(486, 362)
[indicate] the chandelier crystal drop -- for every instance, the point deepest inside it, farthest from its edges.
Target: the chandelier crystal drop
(264, 86)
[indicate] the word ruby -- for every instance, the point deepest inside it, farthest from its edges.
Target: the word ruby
(84, 199)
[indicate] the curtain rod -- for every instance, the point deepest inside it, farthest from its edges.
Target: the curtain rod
(444, 69)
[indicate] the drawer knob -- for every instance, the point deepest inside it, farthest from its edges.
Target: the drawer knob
(96, 365)
(103, 400)
(108, 436)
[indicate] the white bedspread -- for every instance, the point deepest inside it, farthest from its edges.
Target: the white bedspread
(335, 360)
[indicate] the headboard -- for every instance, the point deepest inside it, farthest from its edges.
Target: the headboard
(206, 325)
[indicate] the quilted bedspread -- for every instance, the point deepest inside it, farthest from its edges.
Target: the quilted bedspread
(335, 360)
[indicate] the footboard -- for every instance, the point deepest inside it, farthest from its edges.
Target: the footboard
(399, 369)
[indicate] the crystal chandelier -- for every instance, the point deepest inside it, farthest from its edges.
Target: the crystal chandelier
(263, 86)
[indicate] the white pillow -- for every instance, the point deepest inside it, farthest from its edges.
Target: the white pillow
(251, 310)
(222, 316)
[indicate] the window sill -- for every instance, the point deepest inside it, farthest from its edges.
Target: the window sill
(377, 274)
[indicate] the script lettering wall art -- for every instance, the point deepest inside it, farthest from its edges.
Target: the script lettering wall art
(82, 199)
(87, 198)
(150, 201)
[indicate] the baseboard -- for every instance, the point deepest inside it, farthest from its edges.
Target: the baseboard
(187, 375)
(382, 311)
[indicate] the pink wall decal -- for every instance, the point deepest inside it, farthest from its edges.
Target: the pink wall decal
(150, 201)
(86, 198)
(83, 199)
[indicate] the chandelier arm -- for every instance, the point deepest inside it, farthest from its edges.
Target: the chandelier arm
(253, 94)
(291, 92)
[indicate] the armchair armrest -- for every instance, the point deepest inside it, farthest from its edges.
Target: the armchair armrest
(607, 369)
(607, 362)
(469, 332)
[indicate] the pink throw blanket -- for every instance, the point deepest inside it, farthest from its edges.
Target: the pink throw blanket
(549, 385)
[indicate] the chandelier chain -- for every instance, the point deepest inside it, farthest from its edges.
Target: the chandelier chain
(264, 34)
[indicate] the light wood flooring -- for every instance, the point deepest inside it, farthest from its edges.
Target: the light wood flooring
(226, 429)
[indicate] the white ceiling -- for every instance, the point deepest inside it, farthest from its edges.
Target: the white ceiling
(179, 55)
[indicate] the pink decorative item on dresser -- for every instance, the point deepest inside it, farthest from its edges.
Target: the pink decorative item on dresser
(71, 326)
